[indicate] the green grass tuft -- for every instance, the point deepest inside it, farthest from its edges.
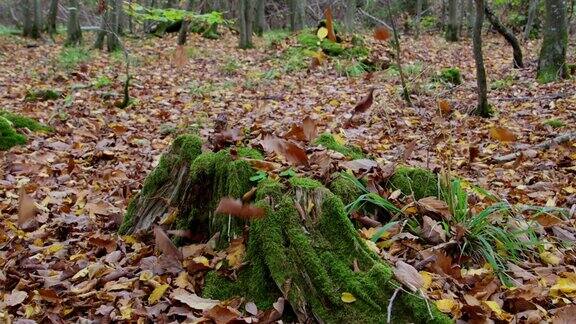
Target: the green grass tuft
(70, 57)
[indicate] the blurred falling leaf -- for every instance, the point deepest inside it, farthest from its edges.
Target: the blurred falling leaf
(180, 58)
(165, 245)
(322, 33)
(408, 275)
(445, 305)
(310, 128)
(235, 207)
(292, 152)
(16, 297)
(26, 209)
(365, 103)
(445, 107)
(502, 134)
(193, 300)
(382, 33)
(348, 297)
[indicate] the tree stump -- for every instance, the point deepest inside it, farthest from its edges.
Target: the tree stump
(305, 249)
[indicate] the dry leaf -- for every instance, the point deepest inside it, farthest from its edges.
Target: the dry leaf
(180, 58)
(432, 230)
(365, 103)
(382, 33)
(193, 300)
(444, 107)
(222, 314)
(26, 210)
(16, 297)
(408, 275)
(502, 134)
(310, 128)
(435, 206)
(236, 208)
(292, 152)
(165, 245)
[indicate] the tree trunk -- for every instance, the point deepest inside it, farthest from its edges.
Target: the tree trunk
(349, 14)
(27, 15)
(245, 20)
(552, 60)
(297, 10)
(74, 31)
(183, 33)
(51, 18)
(452, 26)
(260, 25)
(507, 34)
(305, 248)
(483, 108)
(418, 17)
(113, 43)
(470, 14)
(101, 35)
(531, 15)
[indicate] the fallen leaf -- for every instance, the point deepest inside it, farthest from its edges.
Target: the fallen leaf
(310, 128)
(502, 134)
(360, 165)
(432, 230)
(348, 297)
(26, 209)
(365, 103)
(435, 206)
(157, 293)
(444, 107)
(292, 152)
(193, 300)
(165, 245)
(408, 275)
(222, 314)
(445, 305)
(16, 297)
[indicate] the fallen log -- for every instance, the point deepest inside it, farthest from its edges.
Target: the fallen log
(305, 248)
(530, 153)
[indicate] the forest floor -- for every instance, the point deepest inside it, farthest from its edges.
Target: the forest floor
(83, 174)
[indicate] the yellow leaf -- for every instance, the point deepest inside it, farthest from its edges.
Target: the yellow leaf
(339, 139)
(427, 278)
(54, 248)
(126, 312)
(247, 107)
(182, 280)
(570, 189)
(82, 273)
(31, 310)
(493, 306)
(550, 258)
(322, 33)
(348, 297)
(146, 275)
(157, 293)
(202, 260)
(567, 286)
(129, 239)
(445, 305)
(502, 134)
(334, 103)
(236, 252)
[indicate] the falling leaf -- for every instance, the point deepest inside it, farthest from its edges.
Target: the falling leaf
(193, 300)
(348, 297)
(445, 107)
(502, 134)
(310, 128)
(292, 152)
(222, 314)
(365, 103)
(26, 209)
(180, 58)
(235, 207)
(157, 293)
(322, 33)
(445, 305)
(16, 297)
(165, 245)
(408, 275)
(382, 33)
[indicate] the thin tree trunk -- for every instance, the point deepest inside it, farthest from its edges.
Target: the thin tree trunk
(113, 43)
(245, 19)
(297, 10)
(470, 15)
(350, 12)
(260, 25)
(51, 19)
(418, 17)
(452, 26)
(531, 15)
(183, 34)
(552, 61)
(27, 15)
(483, 108)
(37, 20)
(507, 34)
(74, 31)
(101, 35)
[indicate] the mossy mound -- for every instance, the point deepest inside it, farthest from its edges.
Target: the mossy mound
(9, 123)
(304, 249)
(449, 75)
(343, 186)
(42, 95)
(420, 182)
(309, 40)
(328, 141)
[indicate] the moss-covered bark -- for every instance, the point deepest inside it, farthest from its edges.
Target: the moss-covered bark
(10, 122)
(305, 248)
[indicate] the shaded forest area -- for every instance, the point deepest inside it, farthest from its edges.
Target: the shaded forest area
(300, 161)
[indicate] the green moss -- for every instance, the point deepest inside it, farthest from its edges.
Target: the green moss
(328, 141)
(311, 41)
(19, 121)
(345, 188)
(8, 135)
(304, 183)
(250, 153)
(449, 75)
(42, 95)
(555, 123)
(128, 220)
(420, 182)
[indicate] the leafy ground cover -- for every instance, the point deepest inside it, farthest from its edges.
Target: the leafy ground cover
(64, 193)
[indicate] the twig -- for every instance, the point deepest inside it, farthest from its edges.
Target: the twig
(389, 309)
(542, 146)
(380, 21)
(532, 98)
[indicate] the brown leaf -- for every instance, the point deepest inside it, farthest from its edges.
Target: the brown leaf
(16, 297)
(432, 231)
(274, 314)
(365, 103)
(408, 275)
(408, 151)
(444, 107)
(222, 314)
(564, 315)
(193, 300)
(234, 207)
(164, 244)
(473, 152)
(249, 195)
(180, 58)
(310, 128)
(435, 206)
(502, 134)
(296, 132)
(382, 33)
(292, 152)
(330, 24)
(547, 220)
(360, 165)
(26, 209)
(262, 165)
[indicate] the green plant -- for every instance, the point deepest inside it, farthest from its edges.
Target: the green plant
(101, 81)
(199, 89)
(429, 22)
(352, 68)
(275, 37)
(449, 75)
(230, 66)
(555, 123)
(507, 82)
(70, 57)
(8, 31)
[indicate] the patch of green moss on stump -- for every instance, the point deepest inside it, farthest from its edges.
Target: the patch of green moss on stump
(19, 121)
(304, 249)
(8, 135)
(420, 182)
(328, 141)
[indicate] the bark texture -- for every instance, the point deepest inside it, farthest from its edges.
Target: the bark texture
(452, 26)
(508, 36)
(531, 15)
(51, 18)
(305, 248)
(297, 14)
(483, 108)
(246, 21)
(74, 32)
(109, 27)
(552, 60)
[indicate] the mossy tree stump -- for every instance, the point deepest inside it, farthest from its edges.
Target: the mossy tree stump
(305, 249)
